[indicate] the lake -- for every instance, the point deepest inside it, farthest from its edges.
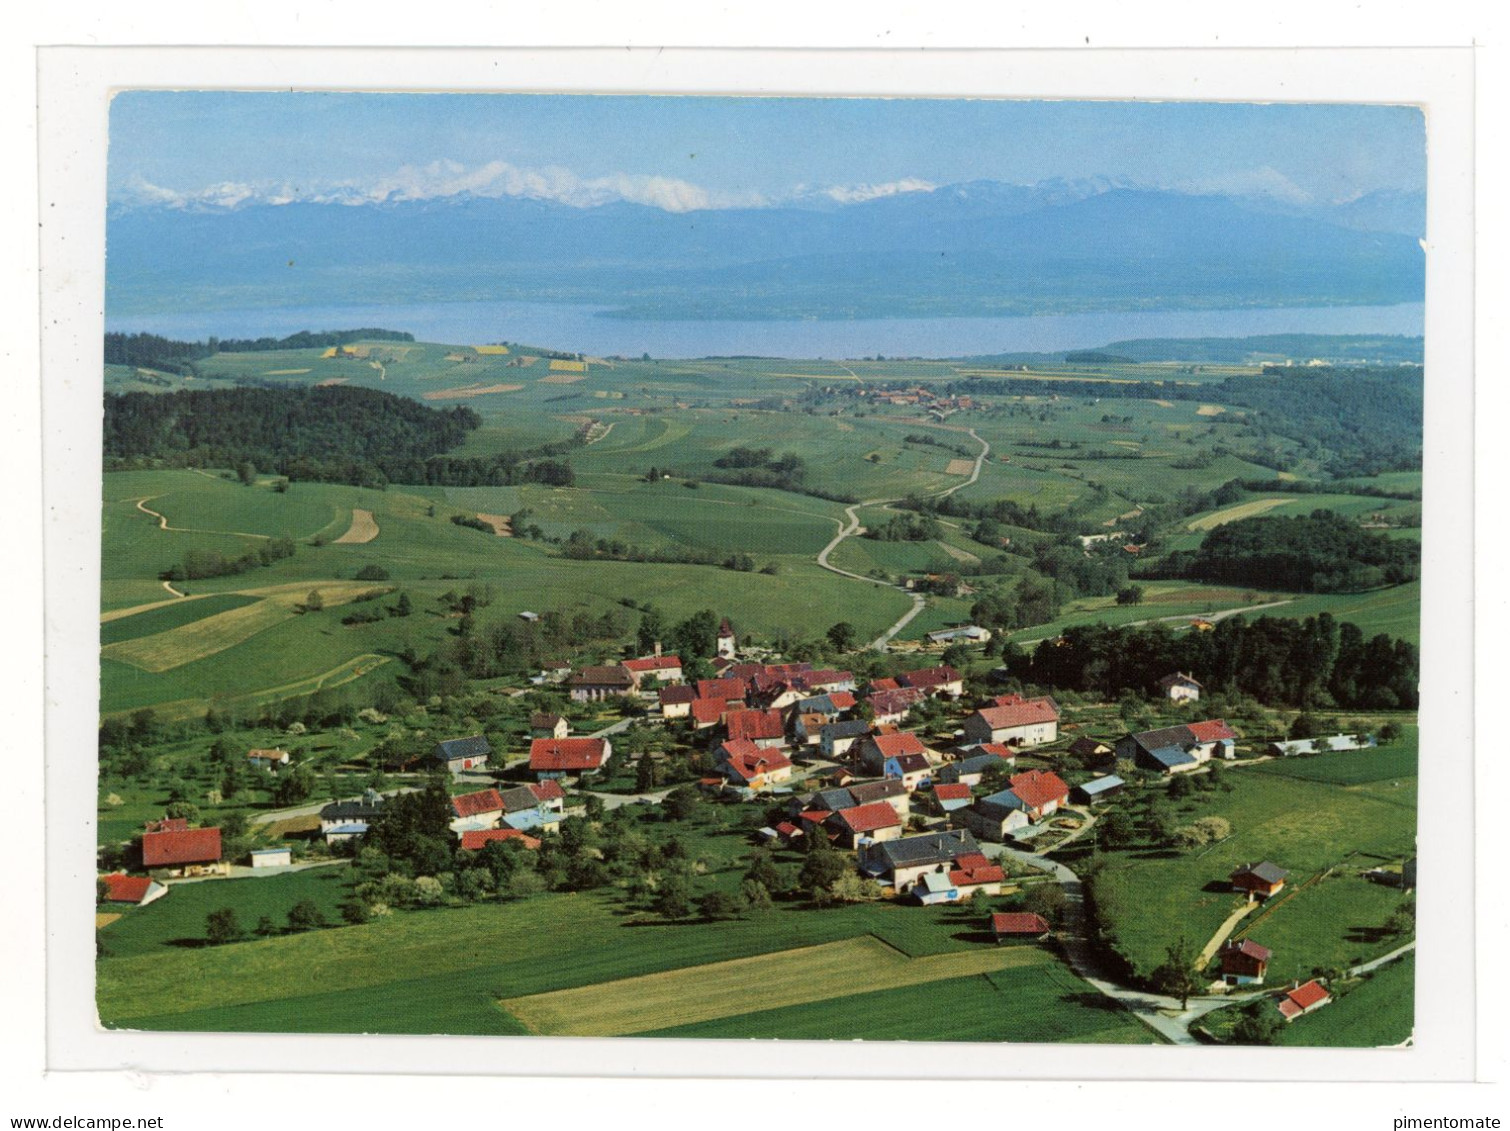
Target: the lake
(580, 328)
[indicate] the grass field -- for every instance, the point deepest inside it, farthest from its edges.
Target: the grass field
(723, 989)
(1378, 1013)
(1304, 826)
(1385, 763)
(174, 614)
(446, 970)
(1035, 1001)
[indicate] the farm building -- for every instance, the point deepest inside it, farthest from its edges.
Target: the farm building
(965, 634)
(1328, 744)
(875, 750)
(184, 852)
(595, 683)
(1018, 925)
(267, 759)
(897, 863)
(138, 890)
(969, 770)
(1180, 687)
(949, 797)
(1259, 881)
(1016, 721)
(1091, 750)
(1176, 749)
(1244, 963)
(746, 764)
(271, 857)
(1303, 999)
(559, 757)
(342, 820)
(458, 754)
(543, 724)
(935, 887)
(1098, 790)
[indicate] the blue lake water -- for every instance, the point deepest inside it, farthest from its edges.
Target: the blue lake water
(580, 328)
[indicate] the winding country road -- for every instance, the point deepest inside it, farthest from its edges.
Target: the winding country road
(919, 602)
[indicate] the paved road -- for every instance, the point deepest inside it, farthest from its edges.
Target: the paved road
(985, 450)
(1370, 967)
(1161, 1014)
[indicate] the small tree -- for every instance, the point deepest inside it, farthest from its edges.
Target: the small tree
(305, 916)
(1130, 595)
(1180, 787)
(843, 636)
(1258, 1025)
(223, 926)
(314, 602)
(1178, 976)
(673, 898)
(186, 810)
(719, 905)
(266, 928)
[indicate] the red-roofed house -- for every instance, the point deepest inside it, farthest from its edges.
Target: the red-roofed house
(744, 763)
(1015, 721)
(973, 873)
(876, 749)
(884, 684)
(892, 706)
(140, 890)
(184, 852)
(949, 797)
(477, 838)
(480, 810)
(1041, 792)
(706, 713)
(728, 689)
(1018, 925)
(558, 757)
(1302, 1000)
(763, 728)
(1213, 739)
(876, 821)
(665, 669)
(1244, 963)
(942, 680)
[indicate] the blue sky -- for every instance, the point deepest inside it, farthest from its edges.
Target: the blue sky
(225, 148)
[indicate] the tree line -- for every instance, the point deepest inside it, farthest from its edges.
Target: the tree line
(152, 351)
(1315, 662)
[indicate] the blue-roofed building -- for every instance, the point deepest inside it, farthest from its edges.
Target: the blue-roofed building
(935, 887)
(1100, 789)
(529, 820)
(458, 754)
(1167, 759)
(968, 771)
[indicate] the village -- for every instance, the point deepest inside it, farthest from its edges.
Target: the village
(920, 788)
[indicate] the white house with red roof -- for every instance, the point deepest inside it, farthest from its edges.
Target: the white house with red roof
(1303, 999)
(933, 682)
(974, 874)
(705, 714)
(751, 766)
(184, 852)
(1016, 721)
(474, 811)
(870, 823)
(676, 701)
(563, 757)
(136, 890)
(662, 669)
(763, 728)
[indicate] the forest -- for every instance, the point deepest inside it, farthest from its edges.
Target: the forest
(334, 434)
(1317, 553)
(1317, 662)
(151, 351)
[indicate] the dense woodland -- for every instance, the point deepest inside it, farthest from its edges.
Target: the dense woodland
(1317, 662)
(333, 434)
(150, 351)
(1317, 553)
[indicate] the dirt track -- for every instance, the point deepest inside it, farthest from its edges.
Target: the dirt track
(364, 528)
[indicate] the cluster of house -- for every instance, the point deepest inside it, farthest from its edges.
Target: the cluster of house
(1246, 963)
